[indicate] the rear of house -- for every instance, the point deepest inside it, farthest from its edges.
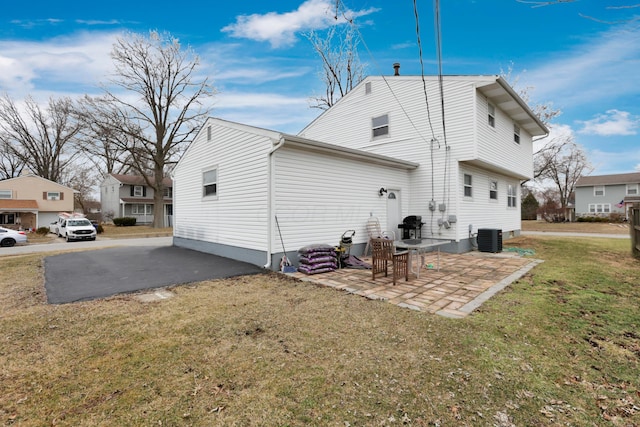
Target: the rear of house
(234, 180)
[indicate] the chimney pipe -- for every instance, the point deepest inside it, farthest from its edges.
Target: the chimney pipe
(396, 67)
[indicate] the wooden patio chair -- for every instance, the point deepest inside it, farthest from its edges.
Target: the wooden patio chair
(375, 231)
(384, 252)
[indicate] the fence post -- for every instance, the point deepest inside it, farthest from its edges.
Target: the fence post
(634, 225)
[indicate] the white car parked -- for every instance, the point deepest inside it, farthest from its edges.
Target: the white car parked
(10, 237)
(77, 229)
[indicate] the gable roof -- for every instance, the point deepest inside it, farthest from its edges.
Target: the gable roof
(36, 177)
(138, 179)
(621, 178)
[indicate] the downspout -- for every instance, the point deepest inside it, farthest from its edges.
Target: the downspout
(271, 204)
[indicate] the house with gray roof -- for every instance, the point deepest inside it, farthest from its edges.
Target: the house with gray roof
(603, 195)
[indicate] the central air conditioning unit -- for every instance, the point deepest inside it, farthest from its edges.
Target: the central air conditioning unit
(489, 240)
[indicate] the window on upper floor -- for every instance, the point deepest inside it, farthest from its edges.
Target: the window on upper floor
(467, 185)
(168, 192)
(5, 194)
(632, 190)
(367, 88)
(598, 190)
(493, 190)
(512, 196)
(380, 126)
(516, 133)
(138, 191)
(491, 116)
(208, 133)
(52, 195)
(210, 183)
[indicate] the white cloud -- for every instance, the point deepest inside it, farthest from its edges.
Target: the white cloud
(602, 67)
(280, 29)
(613, 122)
(64, 64)
(556, 132)
(612, 162)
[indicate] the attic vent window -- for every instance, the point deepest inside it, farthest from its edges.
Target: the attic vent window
(208, 133)
(491, 115)
(380, 126)
(516, 134)
(367, 88)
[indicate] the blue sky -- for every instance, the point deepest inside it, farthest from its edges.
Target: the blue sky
(581, 56)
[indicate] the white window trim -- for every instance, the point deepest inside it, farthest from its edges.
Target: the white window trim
(512, 196)
(491, 115)
(137, 193)
(52, 197)
(516, 133)
(374, 128)
(633, 187)
(469, 186)
(207, 183)
(595, 190)
(493, 189)
(147, 209)
(597, 208)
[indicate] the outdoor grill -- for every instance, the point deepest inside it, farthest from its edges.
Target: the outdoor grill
(411, 227)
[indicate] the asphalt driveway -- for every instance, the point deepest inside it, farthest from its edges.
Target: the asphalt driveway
(81, 276)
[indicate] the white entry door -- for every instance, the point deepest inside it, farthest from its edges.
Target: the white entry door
(394, 213)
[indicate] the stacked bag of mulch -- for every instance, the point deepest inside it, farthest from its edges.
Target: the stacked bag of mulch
(317, 258)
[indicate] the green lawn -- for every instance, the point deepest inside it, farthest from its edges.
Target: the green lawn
(559, 347)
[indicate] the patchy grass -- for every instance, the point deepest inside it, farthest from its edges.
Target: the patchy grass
(111, 230)
(576, 227)
(560, 347)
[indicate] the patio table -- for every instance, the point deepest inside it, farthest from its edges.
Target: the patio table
(418, 247)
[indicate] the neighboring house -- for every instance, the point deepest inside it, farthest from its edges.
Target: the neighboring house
(130, 196)
(30, 202)
(373, 153)
(603, 195)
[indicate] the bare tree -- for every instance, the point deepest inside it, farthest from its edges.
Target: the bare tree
(83, 179)
(160, 108)
(565, 165)
(11, 166)
(40, 137)
(341, 66)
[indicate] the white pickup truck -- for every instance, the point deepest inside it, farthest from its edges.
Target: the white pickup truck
(76, 229)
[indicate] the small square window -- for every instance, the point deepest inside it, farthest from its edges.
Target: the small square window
(491, 117)
(516, 134)
(598, 190)
(380, 126)
(468, 189)
(210, 183)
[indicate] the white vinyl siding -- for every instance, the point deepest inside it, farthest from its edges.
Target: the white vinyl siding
(237, 216)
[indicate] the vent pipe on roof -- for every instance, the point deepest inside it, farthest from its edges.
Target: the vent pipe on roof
(396, 68)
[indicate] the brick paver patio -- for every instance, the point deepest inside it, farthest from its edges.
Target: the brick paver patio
(462, 284)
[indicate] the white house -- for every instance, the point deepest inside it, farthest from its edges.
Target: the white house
(386, 134)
